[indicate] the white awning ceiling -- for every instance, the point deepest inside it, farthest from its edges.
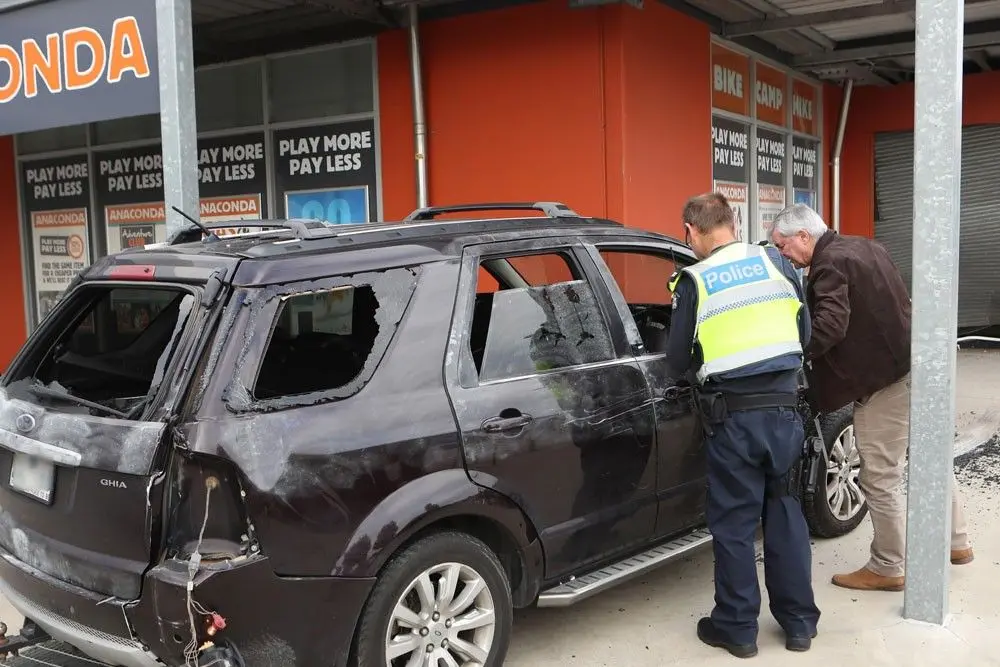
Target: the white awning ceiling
(871, 41)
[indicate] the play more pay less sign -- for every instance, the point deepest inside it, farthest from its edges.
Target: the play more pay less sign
(66, 62)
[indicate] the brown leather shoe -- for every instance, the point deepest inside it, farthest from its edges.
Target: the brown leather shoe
(866, 580)
(961, 556)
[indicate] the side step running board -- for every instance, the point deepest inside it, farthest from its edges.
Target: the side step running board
(583, 587)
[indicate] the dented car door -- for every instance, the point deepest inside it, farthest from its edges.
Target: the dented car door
(637, 273)
(554, 411)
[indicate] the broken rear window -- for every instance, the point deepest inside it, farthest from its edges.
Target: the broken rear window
(110, 358)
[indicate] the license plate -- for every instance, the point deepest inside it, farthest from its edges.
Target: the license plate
(33, 476)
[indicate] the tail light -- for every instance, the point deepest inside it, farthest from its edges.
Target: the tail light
(206, 512)
(132, 272)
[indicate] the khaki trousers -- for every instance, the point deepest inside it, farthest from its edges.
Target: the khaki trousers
(881, 426)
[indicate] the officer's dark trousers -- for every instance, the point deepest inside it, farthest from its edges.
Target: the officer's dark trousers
(748, 456)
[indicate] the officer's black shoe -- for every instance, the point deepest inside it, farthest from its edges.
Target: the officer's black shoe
(799, 643)
(708, 633)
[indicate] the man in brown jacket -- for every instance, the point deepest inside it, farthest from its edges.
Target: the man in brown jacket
(860, 354)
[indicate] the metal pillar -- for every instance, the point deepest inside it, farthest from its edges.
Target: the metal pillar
(419, 120)
(838, 149)
(178, 125)
(937, 164)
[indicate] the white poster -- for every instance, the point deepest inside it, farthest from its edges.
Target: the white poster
(60, 249)
(330, 312)
(770, 202)
(739, 201)
(232, 208)
(136, 225)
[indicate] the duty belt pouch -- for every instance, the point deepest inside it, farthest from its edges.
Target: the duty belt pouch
(794, 479)
(813, 463)
(713, 407)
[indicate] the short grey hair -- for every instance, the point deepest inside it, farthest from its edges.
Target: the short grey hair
(796, 218)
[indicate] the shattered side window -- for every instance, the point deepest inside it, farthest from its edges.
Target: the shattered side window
(321, 341)
(324, 339)
(537, 329)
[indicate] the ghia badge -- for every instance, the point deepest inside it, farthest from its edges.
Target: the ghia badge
(25, 423)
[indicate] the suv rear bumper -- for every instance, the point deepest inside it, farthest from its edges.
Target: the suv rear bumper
(72, 615)
(298, 621)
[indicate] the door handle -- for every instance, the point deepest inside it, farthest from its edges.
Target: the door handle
(677, 393)
(501, 424)
(43, 450)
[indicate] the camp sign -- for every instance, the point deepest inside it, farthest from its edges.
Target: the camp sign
(68, 62)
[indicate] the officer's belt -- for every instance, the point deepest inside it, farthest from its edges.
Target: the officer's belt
(759, 401)
(715, 407)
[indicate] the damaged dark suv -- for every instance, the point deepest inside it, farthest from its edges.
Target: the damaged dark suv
(354, 444)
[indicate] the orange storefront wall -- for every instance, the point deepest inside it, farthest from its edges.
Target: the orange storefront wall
(605, 109)
(667, 127)
(514, 109)
(876, 110)
(13, 332)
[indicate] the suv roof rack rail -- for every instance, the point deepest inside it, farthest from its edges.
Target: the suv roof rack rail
(260, 224)
(312, 229)
(552, 209)
(301, 229)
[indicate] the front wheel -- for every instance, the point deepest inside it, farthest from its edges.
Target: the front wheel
(838, 505)
(442, 602)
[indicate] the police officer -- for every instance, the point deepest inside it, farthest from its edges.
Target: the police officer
(737, 333)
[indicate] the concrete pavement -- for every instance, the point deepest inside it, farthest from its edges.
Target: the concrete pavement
(977, 398)
(651, 621)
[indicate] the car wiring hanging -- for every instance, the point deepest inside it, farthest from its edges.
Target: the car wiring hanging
(192, 648)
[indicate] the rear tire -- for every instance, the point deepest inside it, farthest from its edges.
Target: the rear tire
(838, 506)
(448, 595)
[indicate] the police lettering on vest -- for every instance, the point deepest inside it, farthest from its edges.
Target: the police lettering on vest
(737, 273)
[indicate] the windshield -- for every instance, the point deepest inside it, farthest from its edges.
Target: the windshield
(110, 357)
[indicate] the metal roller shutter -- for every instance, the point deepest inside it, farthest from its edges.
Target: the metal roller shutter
(894, 198)
(979, 280)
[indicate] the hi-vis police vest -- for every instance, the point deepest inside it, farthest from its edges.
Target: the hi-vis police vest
(747, 310)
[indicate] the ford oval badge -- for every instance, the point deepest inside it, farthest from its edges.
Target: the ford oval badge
(25, 423)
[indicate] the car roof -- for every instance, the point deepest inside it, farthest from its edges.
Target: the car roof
(286, 249)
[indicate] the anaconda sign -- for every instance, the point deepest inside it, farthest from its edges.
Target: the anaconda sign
(66, 62)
